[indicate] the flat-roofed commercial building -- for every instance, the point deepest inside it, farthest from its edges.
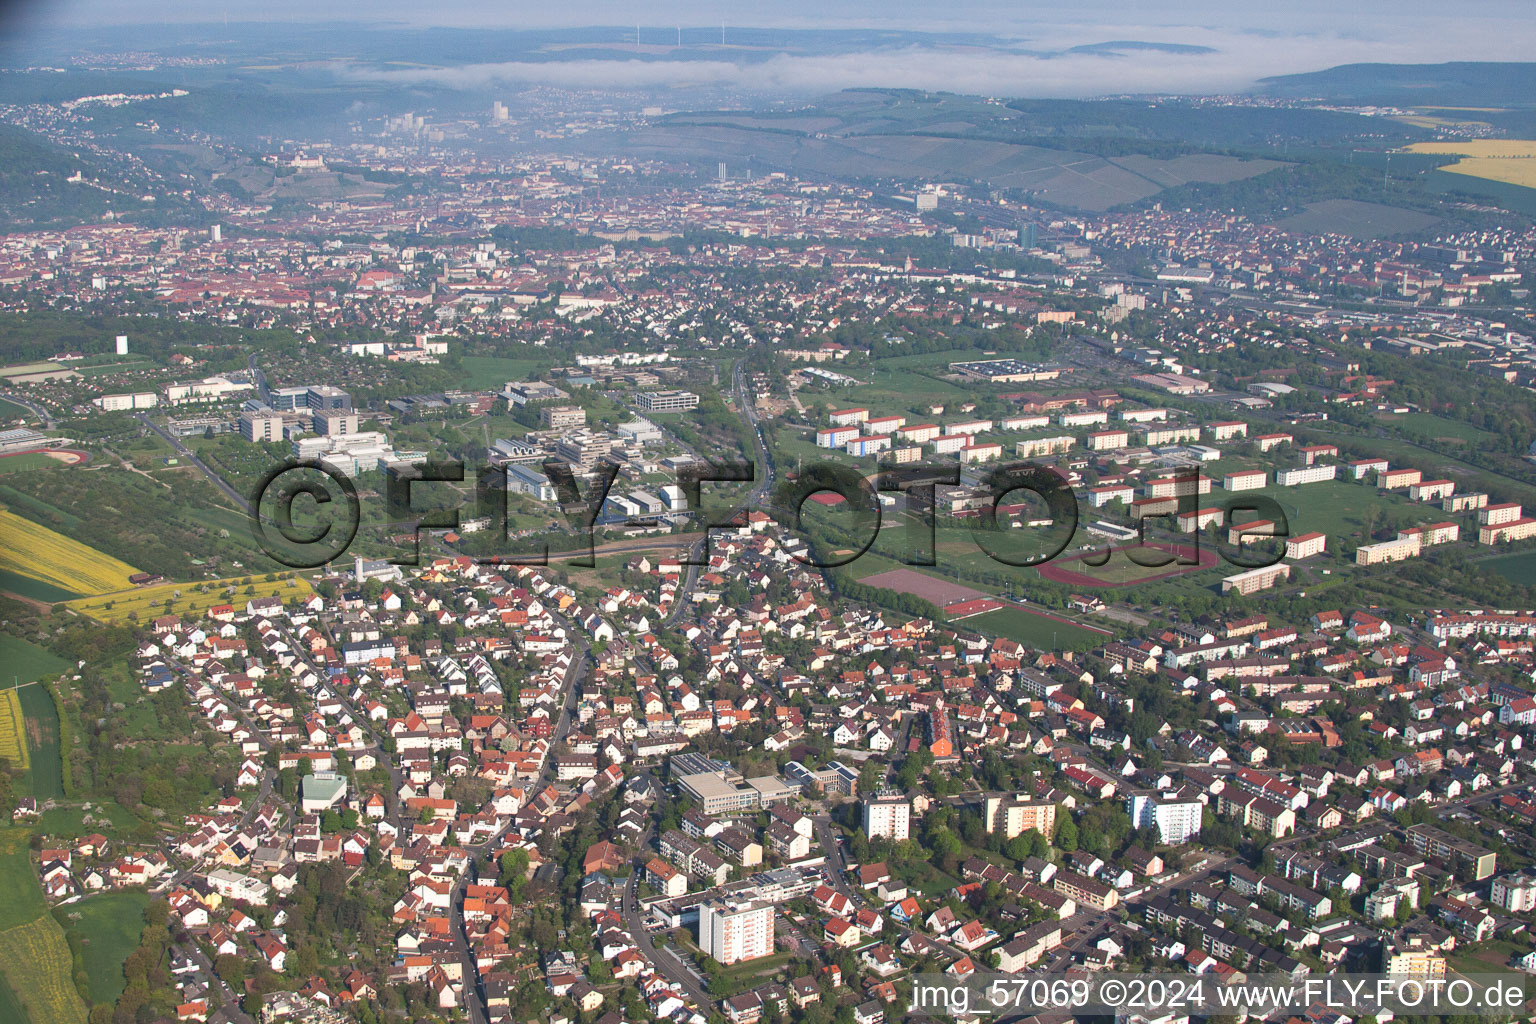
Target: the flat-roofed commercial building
(718, 796)
(261, 426)
(667, 401)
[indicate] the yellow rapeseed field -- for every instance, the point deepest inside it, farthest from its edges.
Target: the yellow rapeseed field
(37, 964)
(13, 736)
(1508, 160)
(188, 600)
(29, 549)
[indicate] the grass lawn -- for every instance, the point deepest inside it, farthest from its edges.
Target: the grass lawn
(21, 897)
(108, 925)
(70, 823)
(11, 411)
(26, 461)
(486, 373)
(1337, 509)
(1035, 630)
(25, 661)
(1438, 427)
(1519, 568)
(925, 878)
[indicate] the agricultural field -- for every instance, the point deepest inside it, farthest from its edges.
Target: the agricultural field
(26, 662)
(13, 735)
(1356, 219)
(189, 600)
(108, 925)
(45, 774)
(21, 898)
(32, 550)
(1512, 161)
(33, 590)
(10, 1002)
(37, 964)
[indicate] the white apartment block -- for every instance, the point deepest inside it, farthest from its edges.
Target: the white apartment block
(1177, 821)
(733, 932)
(1245, 480)
(888, 817)
(1044, 446)
(1408, 546)
(1305, 475)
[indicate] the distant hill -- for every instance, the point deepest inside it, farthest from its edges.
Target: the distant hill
(1458, 84)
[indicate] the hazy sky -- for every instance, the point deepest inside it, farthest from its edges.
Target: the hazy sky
(1250, 39)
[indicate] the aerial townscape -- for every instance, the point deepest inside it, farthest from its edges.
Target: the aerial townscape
(704, 524)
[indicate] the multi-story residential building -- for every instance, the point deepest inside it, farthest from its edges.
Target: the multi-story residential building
(1227, 430)
(1407, 546)
(1359, 469)
(1514, 893)
(1044, 445)
(1305, 475)
(1306, 545)
(1087, 892)
(1269, 442)
(836, 437)
(919, 433)
(887, 817)
(1177, 820)
(1245, 480)
(1178, 486)
(1475, 861)
(1170, 435)
(1464, 502)
(733, 932)
(869, 445)
(1254, 580)
(1013, 816)
(1432, 490)
(1392, 479)
(848, 417)
(1108, 440)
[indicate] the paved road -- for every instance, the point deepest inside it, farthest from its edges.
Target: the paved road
(662, 960)
(474, 992)
(259, 379)
(837, 868)
(182, 451)
(40, 411)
